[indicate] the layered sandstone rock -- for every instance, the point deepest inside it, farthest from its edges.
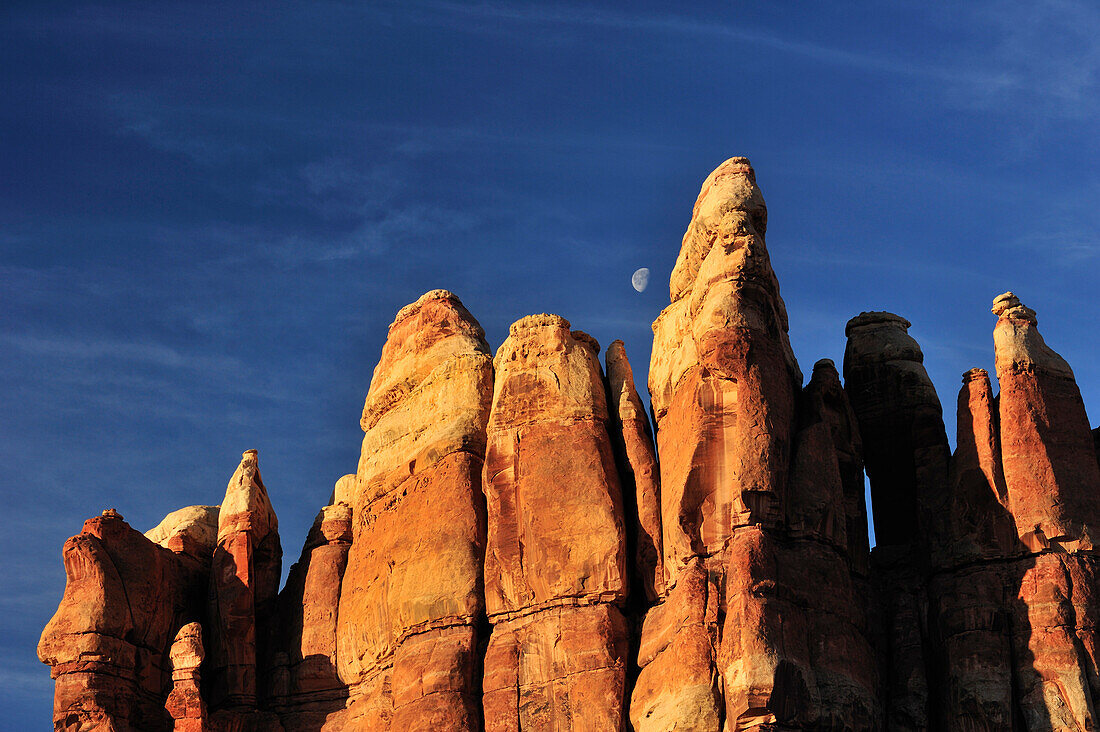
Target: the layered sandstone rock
(244, 583)
(901, 421)
(411, 595)
(185, 703)
(1049, 460)
(753, 496)
(723, 376)
(637, 460)
(988, 590)
(108, 643)
(307, 688)
(968, 625)
(830, 433)
(906, 453)
(679, 687)
(192, 530)
(555, 562)
(513, 553)
(1053, 493)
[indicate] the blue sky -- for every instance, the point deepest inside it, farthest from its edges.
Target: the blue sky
(210, 212)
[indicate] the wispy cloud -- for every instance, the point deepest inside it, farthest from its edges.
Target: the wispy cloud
(24, 680)
(1066, 232)
(1049, 50)
(1049, 47)
(148, 353)
(684, 25)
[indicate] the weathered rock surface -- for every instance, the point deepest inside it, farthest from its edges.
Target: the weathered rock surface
(555, 562)
(411, 596)
(108, 643)
(185, 703)
(753, 492)
(516, 552)
(637, 460)
(306, 688)
(901, 421)
(906, 453)
(1049, 460)
(244, 583)
(988, 595)
(192, 531)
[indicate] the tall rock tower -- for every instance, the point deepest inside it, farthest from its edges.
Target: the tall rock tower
(411, 597)
(753, 507)
(516, 552)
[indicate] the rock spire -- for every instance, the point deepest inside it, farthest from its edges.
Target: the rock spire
(521, 547)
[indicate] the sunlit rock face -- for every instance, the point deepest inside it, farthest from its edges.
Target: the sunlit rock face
(632, 440)
(521, 548)
(1050, 465)
(411, 597)
(555, 563)
(753, 497)
(244, 583)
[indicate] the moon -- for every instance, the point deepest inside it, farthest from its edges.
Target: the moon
(640, 279)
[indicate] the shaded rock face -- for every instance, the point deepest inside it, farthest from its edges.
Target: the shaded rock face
(987, 593)
(515, 551)
(305, 686)
(108, 643)
(906, 453)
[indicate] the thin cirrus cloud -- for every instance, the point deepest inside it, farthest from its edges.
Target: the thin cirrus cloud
(1016, 60)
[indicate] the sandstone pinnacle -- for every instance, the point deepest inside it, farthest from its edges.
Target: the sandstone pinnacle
(518, 547)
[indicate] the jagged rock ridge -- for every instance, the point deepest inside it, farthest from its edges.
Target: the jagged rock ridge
(515, 551)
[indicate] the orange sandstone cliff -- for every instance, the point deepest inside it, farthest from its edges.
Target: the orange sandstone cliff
(577, 567)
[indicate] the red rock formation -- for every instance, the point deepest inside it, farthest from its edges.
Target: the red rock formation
(829, 434)
(906, 453)
(312, 689)
(725, 386)
(901, 421)
(185, 703)
(244, 583)
(1053, 491)
(722, 377)
(678, 688)
(993, 625)
(1049, 460)
(483, 568)
(108, 643)
(555, 562)
(633, 443)
(968, 619)
(411, 596)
